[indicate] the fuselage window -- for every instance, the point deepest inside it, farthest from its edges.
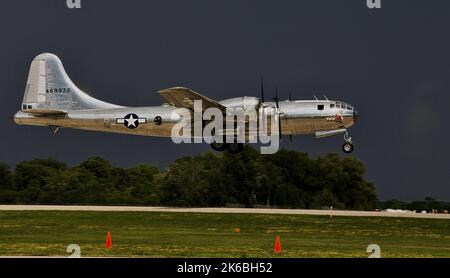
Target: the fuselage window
(24, 107)
(320, 107)
(350, 108)
(338, 106)
(331, 105)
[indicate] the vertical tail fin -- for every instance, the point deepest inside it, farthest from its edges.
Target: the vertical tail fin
(49, 89)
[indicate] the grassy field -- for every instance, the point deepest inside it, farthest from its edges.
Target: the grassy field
(143, 234)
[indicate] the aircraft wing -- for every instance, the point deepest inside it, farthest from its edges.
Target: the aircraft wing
(184, 98)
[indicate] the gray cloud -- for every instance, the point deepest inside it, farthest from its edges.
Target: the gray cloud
(392, 64)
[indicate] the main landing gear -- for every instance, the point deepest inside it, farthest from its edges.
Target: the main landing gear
(348, 145)
(234, 148)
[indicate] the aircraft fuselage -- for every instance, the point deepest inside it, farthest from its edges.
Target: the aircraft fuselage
(297, 118)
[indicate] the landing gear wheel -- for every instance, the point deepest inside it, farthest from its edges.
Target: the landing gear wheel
(347, 147)
(235, 148)
(219, 147)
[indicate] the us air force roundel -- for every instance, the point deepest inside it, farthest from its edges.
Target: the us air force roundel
(131, 121)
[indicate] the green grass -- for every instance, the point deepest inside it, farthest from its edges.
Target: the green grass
(144, 234)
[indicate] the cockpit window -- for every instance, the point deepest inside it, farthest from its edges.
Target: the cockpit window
(320, 107)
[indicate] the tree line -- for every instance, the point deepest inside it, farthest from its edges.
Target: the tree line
(287, 179)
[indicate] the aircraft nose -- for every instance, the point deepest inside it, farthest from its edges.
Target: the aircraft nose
(355, 116)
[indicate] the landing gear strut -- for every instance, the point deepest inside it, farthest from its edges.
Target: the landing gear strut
(348, 145)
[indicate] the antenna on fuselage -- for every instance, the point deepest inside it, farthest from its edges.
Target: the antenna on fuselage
(315, 97)
(276, 99)
(326, 97)
(277, 102)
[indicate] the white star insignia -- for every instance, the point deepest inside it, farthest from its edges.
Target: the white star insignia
(131, 121)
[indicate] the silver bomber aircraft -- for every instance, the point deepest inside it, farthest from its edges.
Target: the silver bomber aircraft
(53, 100)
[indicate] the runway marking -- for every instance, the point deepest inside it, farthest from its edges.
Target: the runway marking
(223, 210)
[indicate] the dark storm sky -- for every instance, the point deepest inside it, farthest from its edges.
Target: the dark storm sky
(393, 64)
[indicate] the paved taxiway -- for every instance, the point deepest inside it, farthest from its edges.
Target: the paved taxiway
(225, 210)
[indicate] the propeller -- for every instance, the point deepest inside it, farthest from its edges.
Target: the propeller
(277, 101)
(290, 99)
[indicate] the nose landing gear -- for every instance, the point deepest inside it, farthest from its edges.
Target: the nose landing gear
(348, 145)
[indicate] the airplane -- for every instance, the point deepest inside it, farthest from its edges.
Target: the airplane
(51, 99)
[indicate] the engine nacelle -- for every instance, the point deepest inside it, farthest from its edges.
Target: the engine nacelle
(246, 103)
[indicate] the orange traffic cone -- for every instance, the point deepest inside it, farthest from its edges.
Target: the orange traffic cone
(108, 241)
(277, 249)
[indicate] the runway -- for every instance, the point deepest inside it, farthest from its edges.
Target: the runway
(224, 210)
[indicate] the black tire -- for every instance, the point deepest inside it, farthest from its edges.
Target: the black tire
(347, 148)
(235, 148)
(219, 147)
